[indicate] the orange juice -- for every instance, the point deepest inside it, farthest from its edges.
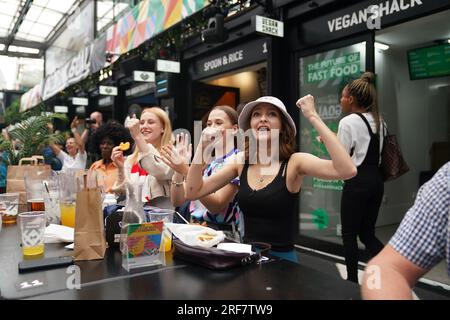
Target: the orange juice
(33, 251)
(166, 244)
(68, 214)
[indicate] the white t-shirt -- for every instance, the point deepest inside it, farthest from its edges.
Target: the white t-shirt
(353, 133)
(79, 162)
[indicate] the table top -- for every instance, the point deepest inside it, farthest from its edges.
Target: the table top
(176, 280)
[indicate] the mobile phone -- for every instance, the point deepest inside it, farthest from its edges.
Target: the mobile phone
(43, 264)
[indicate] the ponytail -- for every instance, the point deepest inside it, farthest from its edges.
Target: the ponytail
(365, 94)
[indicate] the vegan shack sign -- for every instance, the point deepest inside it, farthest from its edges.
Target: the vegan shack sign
(364, 16)
(372, 14)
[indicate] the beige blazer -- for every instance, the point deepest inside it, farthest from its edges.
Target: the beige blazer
(155, 184)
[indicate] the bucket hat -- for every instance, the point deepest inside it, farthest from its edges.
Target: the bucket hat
(244, 117)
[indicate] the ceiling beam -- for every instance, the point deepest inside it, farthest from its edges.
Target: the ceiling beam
(22, 54)
(24, 43)
(15, 28)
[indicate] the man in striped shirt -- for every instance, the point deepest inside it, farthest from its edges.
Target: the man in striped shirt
(421, 242)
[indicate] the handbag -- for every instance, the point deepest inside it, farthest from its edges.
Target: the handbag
(217, 259)
(392, 163)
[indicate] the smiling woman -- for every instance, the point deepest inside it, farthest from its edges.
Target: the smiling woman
(144, 167)
(105, 138)
(268, 190)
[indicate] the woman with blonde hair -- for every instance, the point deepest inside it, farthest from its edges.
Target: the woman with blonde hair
(144, 166)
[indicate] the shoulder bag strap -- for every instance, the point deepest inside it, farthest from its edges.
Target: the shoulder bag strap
(366, 122)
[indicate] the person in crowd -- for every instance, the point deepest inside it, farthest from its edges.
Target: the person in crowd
(421, 242)
(3, 170)
(134, 109)
(144, 167)
(240, 107)
(360, 133)
(209, 209)
(50, 157)
(105, 138)
(270, 179)
(93, 123)
(76, 157)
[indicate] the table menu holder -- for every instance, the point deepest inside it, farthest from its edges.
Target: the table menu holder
(143, 245)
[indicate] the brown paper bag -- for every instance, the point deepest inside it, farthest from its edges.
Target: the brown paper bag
(89, 239)
(15, 178)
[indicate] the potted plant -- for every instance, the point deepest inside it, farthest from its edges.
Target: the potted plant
(27, 137)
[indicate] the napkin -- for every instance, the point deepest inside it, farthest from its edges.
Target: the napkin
(56, 233)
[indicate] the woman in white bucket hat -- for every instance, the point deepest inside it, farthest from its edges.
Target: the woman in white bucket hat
(271, 172)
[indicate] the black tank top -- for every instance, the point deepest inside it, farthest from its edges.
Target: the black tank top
(269, 212)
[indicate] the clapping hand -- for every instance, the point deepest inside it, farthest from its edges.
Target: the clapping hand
(178, 156)
(210, 136)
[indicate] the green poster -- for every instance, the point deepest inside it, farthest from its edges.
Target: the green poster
(342, 66)
(319, 150)
(324, 75)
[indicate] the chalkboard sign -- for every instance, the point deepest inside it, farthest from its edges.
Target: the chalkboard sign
(429, 62)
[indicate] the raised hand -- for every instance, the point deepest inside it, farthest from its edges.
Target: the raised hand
(307, 105)
(211, 136)
(134, 125)
(117, 157)
(75, 122)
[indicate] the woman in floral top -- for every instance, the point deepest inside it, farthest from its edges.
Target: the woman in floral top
(209, 209)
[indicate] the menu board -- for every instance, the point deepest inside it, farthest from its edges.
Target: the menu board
(429, 62)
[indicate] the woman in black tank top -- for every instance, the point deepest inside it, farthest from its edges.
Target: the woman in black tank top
(270, 171)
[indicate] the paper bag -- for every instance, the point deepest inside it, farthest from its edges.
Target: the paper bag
(90, 241)
(15, 178)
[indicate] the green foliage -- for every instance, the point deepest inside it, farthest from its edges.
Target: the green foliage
(12, 114)
(30, 136)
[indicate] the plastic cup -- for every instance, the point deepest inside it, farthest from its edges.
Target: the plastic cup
(68, 187)
(32, 228)
(9, 206)
(67, 214)
(153, 214)
(51, 201)
(35, 193)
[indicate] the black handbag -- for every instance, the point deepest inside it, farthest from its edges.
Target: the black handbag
(217, 259)
(392, 163)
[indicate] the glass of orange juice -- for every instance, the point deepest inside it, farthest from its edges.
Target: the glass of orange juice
(67, 214)
(68, 187)
(32, 228)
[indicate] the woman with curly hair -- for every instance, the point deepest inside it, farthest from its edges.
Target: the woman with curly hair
(105, 138)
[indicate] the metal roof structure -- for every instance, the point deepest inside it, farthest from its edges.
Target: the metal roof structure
(27, 27)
